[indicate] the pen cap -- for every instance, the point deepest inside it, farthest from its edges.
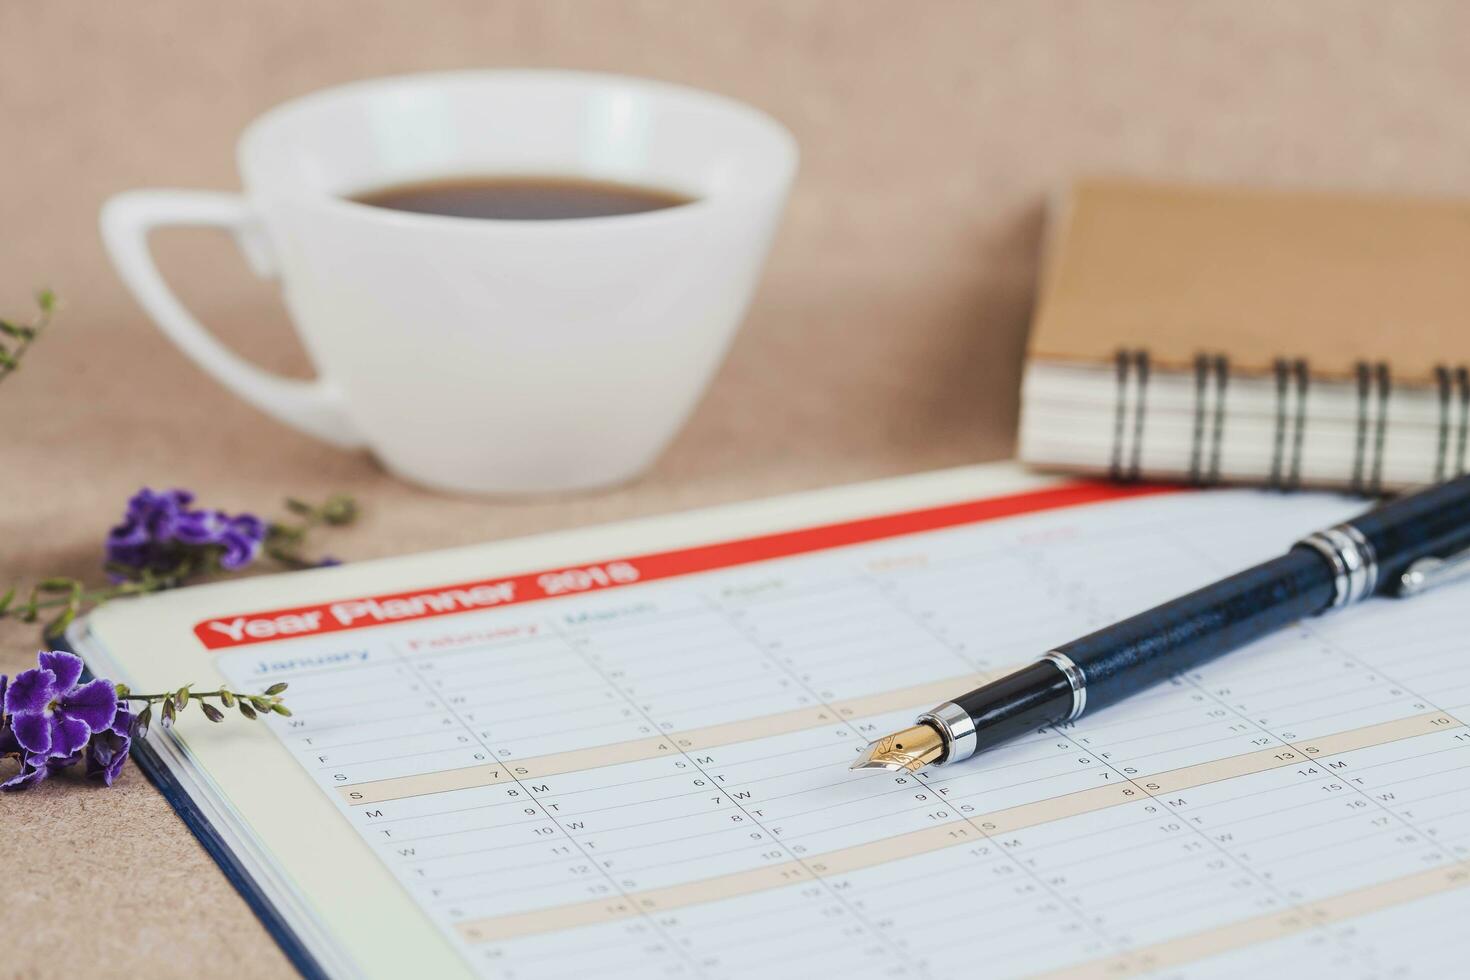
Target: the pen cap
(1433, 522)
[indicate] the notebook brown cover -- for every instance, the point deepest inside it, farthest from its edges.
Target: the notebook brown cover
(1336, 279)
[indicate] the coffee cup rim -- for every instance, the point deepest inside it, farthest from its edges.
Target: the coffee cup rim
(252, 141)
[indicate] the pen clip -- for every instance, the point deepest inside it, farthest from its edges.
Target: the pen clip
(1426, 573)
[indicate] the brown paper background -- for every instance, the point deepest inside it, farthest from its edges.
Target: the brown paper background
(886, 337)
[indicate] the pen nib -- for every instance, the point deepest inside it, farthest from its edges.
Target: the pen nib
(909, 750)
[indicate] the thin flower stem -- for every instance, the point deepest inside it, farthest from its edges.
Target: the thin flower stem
(26, 336)
(150, 698)
(251, 706)
(98, 595)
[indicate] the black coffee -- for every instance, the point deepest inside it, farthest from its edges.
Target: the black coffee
(522, 198)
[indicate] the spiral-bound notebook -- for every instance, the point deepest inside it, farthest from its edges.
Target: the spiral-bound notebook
(1263, 337)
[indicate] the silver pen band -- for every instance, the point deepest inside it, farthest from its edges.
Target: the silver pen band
(1075, 679)
(1354, 563)
(956, 728)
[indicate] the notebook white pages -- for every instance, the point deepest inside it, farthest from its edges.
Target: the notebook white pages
(623, 751)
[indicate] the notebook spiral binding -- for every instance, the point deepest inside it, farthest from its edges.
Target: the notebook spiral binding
(1211, 376)
(1129, 414)
(1459, 381)
(1374, 386)
(1293, 379)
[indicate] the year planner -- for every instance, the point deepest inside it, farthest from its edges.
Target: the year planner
(623, 751)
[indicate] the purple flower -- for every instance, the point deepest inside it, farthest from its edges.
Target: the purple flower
(160, 528)
(50, 715)
(33, 768)
(152, 519)
(241, 537)
(108, 749)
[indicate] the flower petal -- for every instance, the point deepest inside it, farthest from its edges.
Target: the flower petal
(249, 525)
(33, 731)
(199, 527)
(129, 532)
(66, 666)
(68, 735)
(141, 504)
(94, 704)
(122, 722)
(115, 767)
(238, 552)
(31, 773)
(31, 691)
(242, 539)
(149, 530)
(106, 755)
(128, 544)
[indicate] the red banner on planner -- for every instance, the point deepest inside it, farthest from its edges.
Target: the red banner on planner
(347, 614)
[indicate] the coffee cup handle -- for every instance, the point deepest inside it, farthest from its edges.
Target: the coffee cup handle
(314, 407)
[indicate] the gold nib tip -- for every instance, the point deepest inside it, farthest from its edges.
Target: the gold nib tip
(909, 750)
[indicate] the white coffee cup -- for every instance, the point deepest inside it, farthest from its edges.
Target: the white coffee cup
(481, 355)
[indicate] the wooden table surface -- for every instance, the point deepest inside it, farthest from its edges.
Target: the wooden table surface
(886, 337)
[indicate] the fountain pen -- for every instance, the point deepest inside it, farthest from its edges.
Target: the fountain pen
(1398, 549)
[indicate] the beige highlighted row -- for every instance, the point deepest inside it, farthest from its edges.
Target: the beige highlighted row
(1261, 929)
(617, 753)
(940, 836)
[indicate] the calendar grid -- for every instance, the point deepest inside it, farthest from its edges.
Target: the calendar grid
(651, 780)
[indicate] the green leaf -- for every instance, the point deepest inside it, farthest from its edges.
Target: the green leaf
(57, 584)
(301, 507)
(278, 532)
(276, 688)
(340, 508)
(122, 571)
(211, 712)
(57, 626)
(9, 329)
(5, 600)
(246, 710)
(46, 300)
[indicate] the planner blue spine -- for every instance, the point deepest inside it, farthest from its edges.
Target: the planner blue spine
(237, 874)
(215, 846)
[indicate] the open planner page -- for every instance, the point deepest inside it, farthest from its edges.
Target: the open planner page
(623, 752)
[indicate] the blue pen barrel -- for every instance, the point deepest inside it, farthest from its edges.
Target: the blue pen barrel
(1181, 634)
(1334, 567)
(1432, 522)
